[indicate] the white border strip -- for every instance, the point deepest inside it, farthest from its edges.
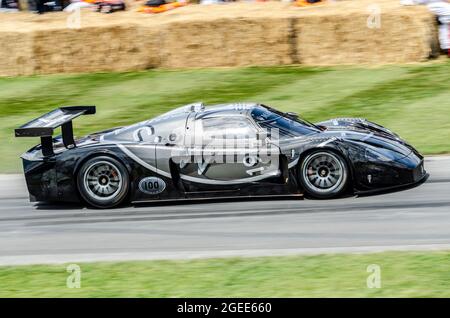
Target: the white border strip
(186, 255)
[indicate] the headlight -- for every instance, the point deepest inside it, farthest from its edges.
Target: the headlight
(379, 155)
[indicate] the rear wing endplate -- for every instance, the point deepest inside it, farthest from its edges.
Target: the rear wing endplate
(45, 125)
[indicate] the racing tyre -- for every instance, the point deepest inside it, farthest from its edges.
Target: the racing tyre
(324, 174)
(103, 182)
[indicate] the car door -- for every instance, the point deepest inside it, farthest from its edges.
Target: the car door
(227, 153)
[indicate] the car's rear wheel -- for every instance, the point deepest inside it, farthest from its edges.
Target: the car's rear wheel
(324, 174)
(103, 182)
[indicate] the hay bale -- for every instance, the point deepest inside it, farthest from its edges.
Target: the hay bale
(111, 48)
(345, 38)
(16, 54)
(237, 34)
(226, 42)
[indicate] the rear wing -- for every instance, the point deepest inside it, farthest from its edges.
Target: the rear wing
(45, 125)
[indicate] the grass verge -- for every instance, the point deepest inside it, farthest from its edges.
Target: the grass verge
(403, 274)
(412, 100)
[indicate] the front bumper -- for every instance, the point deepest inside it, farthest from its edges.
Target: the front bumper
(422, 179)
(381, 176)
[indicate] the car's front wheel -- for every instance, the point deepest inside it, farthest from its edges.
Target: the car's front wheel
(103, 182)
(324, 174)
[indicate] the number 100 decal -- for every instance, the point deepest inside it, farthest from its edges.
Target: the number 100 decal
(152, 185)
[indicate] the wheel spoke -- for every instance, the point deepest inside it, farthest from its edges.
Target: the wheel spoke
(96, 188)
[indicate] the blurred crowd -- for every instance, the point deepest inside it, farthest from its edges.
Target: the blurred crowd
(109, 6)
(43, 6)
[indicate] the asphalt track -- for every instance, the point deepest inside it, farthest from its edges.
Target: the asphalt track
(413, 219)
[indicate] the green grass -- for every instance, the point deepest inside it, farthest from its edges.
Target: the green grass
(403, 274)
(413, 100)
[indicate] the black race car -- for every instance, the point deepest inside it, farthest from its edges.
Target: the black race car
(219, 151)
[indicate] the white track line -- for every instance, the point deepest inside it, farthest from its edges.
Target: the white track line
(187, 255)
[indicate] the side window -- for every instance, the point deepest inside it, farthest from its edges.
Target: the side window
(228, 128)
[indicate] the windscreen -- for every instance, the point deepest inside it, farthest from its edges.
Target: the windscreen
(287, 127)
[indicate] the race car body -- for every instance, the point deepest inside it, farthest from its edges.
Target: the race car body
(230, 150)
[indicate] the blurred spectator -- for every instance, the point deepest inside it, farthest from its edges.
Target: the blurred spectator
(305, 3)
(42, 6)
(110, 6)
(155, 3)
(9, 5)
(441, 8)
(77, 4)
(158, 6)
